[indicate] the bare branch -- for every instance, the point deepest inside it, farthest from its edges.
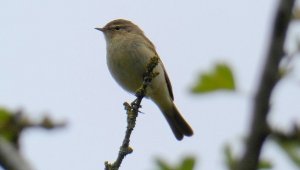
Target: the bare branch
(270, 76)
(18, 121)
(132, 111)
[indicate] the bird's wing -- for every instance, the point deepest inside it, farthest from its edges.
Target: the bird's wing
(167, 81)
(150, 45)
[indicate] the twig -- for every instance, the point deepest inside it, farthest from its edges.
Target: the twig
(292, 136)
(270, 76)
(132, 113)
(12, 127)
(11, 158)
(18, 121)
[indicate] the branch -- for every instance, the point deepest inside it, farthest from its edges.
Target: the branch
(12, 126)
(291, 136)
(270, 76)
(16, 122)
(132, 113)
(11, 158)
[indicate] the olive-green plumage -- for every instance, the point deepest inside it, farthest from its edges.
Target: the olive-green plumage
(128, 53)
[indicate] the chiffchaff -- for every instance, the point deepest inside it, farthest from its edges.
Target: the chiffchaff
(128, 53)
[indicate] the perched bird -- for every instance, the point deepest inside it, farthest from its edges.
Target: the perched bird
(128, 53)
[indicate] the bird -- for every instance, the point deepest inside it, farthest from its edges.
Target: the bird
(128, 51)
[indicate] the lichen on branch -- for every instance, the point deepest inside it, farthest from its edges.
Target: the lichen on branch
(132, 111)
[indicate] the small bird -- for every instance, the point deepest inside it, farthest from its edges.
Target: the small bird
(128, 53)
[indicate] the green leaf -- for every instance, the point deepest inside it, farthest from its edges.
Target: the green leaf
(229, 158)
(292, 149)
(220, 78)
(4, 115)
(6, 129)
(265, 164)
(162, 165)
(187, 163)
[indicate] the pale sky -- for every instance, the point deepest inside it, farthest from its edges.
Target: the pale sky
(53, 61)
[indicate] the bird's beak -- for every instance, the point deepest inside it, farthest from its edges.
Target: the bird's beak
(100, 29)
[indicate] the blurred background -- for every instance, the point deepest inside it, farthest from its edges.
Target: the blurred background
(53, 61)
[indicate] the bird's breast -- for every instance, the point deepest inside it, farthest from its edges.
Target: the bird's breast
(127, 63)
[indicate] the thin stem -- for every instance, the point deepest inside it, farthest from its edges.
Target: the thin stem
(132, 111)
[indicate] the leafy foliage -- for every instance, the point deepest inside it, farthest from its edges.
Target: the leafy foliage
(230, 160)
(187, 163)
(220, 78)
(289, 143)
(7, 128)
(292, 149)
(265, 164)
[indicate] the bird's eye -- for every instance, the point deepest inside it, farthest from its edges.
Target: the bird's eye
(117, 27)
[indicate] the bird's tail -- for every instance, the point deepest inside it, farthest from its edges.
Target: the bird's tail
(177, 123)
